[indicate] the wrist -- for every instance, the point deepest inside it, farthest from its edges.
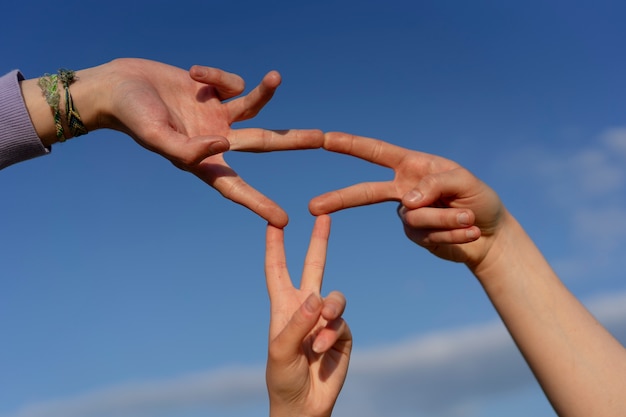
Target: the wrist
(89, 95)
(499, 249)
(283, 408)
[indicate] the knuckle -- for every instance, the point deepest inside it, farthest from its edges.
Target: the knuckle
(429, 183)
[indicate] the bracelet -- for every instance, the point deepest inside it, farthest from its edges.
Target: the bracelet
(48, 84)
(72, 116)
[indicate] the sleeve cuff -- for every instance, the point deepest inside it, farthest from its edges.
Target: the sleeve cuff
(18, 138)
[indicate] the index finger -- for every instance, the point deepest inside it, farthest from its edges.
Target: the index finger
(262, 140)
(226, 181)
(368, 149)
(315, 260)
(276, 273)
(362, 194)
(248, 106)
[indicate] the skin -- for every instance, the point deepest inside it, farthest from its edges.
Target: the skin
(185, 116)
(447, 210)
(309, 342)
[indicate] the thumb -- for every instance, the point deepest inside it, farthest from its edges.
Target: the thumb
(288, 343)
(186, 152)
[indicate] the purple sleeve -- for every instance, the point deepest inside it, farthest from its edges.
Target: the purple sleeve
(18, 138)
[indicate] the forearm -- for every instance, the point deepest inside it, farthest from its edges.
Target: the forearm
(580, 366)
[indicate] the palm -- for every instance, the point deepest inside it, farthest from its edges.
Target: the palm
(472, 195)
(311, 372)
(183, 116)
(410, 169)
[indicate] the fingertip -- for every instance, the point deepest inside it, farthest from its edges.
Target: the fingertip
(334, 331)
(334, 306)
(472, 233)
(401, 212)
(219, 146)
(274, 232)
(207, 146)
(321, 228)
(279, 219)
(331, 311)
(272, 79)
(318, 206)
(197, 71)
(314, 208)
(186, 153)
(312, 304)
(314, 138)
(465, 218)
(200, 73)
(319, 345)
(413, 198)
(333, 135)
(323, 221)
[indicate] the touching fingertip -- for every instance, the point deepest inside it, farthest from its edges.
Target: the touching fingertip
(315, 208)
(275, 215)
(280, 221)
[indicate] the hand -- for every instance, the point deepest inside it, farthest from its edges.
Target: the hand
(309, 342)
(444, 207)
(183, 117)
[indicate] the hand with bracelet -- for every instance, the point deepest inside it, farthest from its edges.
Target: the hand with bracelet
(181, 115)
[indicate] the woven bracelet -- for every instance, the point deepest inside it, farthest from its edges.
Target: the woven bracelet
(49, 86)
(72, 116)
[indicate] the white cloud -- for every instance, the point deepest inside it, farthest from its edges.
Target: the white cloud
(595, 172)
(604, 225)
(586, 189)
(437, 374)
(451, 373)
(588, 175)
(213, 389)
(615, 139)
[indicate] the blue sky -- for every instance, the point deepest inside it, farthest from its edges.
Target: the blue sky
(131, 288)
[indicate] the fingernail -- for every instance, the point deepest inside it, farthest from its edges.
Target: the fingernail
(330, 310)
(471, 234)
(401, 210)
(463, 219)
(311, 304)
(413, 196)
(218, 147)
(318, 346)
(402, 213)
(200, 72)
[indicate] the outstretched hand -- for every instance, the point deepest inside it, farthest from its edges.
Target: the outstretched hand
(309, 342)
(444, 207)
(184, 117)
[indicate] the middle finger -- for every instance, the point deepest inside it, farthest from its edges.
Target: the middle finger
(315, 259)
